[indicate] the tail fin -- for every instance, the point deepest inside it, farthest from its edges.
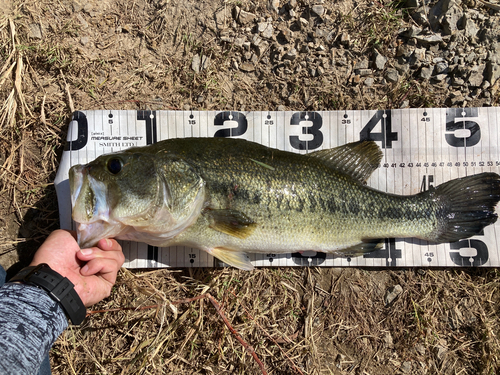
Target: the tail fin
(468, 206)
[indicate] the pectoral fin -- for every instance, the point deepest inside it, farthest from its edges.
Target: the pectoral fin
(234, 258)
(231, 222)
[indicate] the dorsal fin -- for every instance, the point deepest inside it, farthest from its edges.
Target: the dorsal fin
(357, 159)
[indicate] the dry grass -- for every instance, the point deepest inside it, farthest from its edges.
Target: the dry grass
(310, 321)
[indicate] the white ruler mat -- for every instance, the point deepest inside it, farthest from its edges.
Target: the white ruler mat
(421, 147)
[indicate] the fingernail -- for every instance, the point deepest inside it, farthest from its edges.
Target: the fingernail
(85, 268)
(86, 251)
(108, 242)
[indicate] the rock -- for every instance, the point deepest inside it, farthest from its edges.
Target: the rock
(222, 18)
(388, 340)
(470, 27)
(363, 72)
(440, 77)
(303, 22)
(440, 351)
(420, 349)
(84, 40)
(200, 63)
(291, 55)
(380, 61)
(247, 67)
(345, 39)
(396, 290)
(429, 39)
(242, 17)
(265, 29)
(35, 31)
(285, 36)
(368, 82)
(413, 31)
(362, 64)
(476, 78)
(406, 367)
(441, 67)
(452, 18)
(319, 10)
(82, 21)
(274, 5)
(426, 72)
(261, 48)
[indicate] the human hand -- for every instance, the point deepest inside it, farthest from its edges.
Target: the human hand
(93, 271)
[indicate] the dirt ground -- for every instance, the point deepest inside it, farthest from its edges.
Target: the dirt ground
(60, 56)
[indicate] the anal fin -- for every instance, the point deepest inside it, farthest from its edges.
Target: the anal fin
(367, 246)
(234, 258)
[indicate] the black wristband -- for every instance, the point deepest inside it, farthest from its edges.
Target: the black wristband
(59, 288)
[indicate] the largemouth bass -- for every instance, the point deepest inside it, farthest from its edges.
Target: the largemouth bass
(231, 196)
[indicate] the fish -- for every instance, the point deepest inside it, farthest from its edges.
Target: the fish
(230, 197)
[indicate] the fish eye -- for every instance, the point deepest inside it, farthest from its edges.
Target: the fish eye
(114, 165)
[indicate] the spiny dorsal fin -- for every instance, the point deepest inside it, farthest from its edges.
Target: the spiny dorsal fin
(357, 159)
(232, 222)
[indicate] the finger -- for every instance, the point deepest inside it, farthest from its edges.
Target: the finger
(109, 244)
(105, 268)
(95, 253)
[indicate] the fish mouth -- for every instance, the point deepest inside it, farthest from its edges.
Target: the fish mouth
(89, 234)
(90, 209)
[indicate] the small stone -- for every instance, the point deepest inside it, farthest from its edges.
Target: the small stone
(368, 82)
(345, 39)
(303, 22)
(35, 31)
(406, 367)
(291, 13)
(291, 54)
(441, 350)
(312, 72)
(364, 72)
(319, 10)
(429, 39)
(441, 67)
(281, 108)
(222, 18)
(440, 77)
(242, 17)
(380, 61)
(470, 28)
(274, 5)
(476, 79)
(266, 30)
(186, 107)
(396, 290)
(425, 72)
(420, 349)
(200, 63)
(413, 31)
(247, 67)
(84, 40)
(362, 64)
(388, 340)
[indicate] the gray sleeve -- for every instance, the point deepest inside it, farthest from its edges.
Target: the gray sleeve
(30, 322)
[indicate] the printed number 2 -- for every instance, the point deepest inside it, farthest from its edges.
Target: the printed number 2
(387, 136)
(227, 119)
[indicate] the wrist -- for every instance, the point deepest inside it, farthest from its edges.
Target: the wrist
(58, 287)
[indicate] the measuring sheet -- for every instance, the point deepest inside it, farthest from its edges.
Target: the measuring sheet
(421, 148)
